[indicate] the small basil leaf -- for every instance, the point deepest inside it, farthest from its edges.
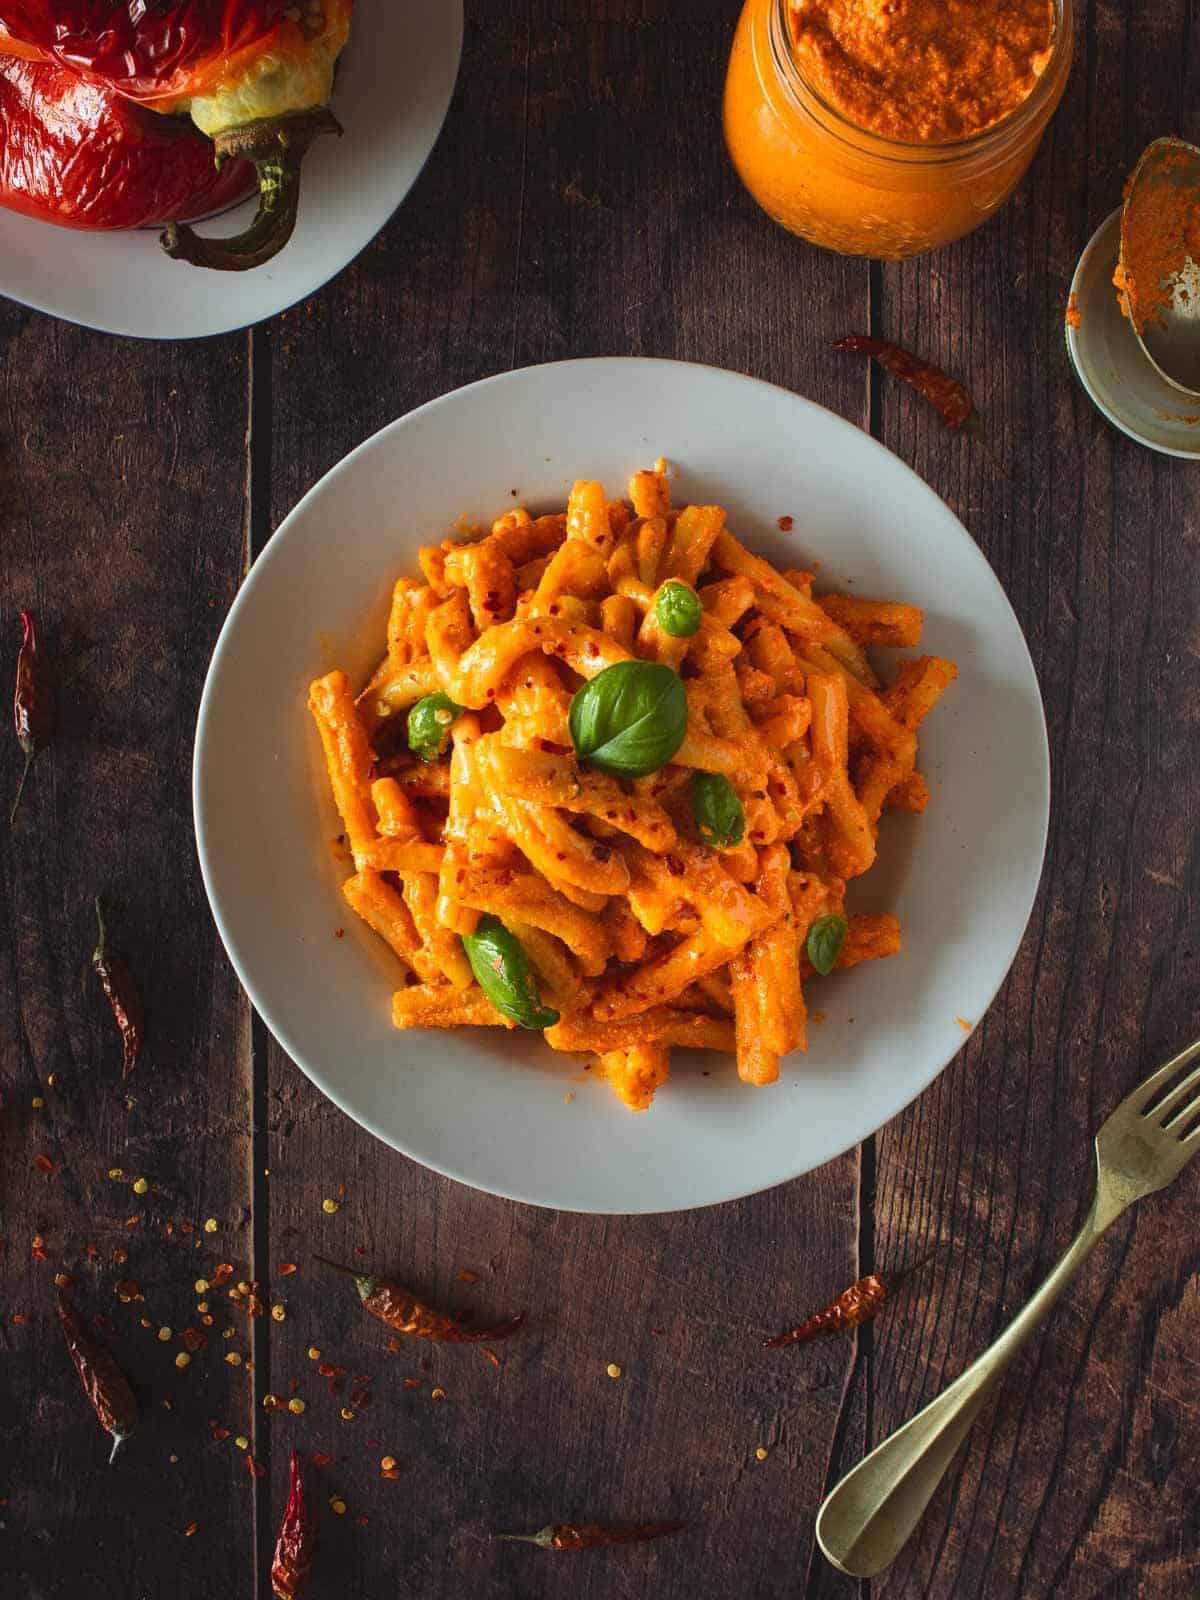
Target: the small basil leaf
(630, 719)
(717, 809)
(429, 724)
(502, 971)
(677, 609)
(825, 940)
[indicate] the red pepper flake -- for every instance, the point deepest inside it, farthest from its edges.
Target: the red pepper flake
(190, 1529)
(491, 1355)
(190, 1227)
(255, 1306)
(360, 1249)
(320, 1458)
(194, 1339)
(361, 1522)
(413, 1383)
(286, 1268)
(255, 1468)
(19, 1318)
(37, 1248)
(120, 1257)
(128, 1289)
(785, 524)
(43, 1163)
(222, 1272)
(467, 1276)
(219, 1434)
(63, 1280)
(132, 1222)
(104, 1322)
(91, 1250)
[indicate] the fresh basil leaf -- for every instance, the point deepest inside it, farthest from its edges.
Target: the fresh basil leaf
(825, 940)
(677, 609)
(429, 724)
(502, 971)
(630, 719)
(717, 809)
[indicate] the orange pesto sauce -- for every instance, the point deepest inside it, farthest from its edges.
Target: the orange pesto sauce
(922, 71)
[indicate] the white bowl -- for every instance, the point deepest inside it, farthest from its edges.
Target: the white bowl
(393, 88)
(491, 1108)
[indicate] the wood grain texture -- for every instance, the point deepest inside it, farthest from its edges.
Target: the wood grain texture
(121, 524)
(579, 203)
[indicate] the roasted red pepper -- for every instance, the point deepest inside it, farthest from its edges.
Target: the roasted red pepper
(80, 155)
(294, 1548)
(254, 75)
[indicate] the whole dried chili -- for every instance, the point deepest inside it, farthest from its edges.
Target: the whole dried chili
(297, 1539)
(105, 1385)
(402, 1311)
(854, 1306)
(33, 710)
(590, 1535)
(254, 75)
(949, 398)
(122, 994)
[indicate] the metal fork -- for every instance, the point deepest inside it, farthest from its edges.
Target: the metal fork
(1144, 1145)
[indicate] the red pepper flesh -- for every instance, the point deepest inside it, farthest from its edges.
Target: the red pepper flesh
(80, 155)
(254, 75)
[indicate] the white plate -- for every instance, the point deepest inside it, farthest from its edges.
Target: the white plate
(393, 87)
(490, 1108)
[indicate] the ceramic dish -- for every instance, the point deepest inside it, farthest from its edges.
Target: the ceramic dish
(1111, 365)
(393, 88)
(496, 1110)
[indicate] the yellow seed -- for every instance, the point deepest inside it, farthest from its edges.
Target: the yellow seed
(173, 1459)
(116, 1172)
(388, 1464)
(164, 1333)
(568, 1097)
(140, 1186)
(227, 1333)
(233, 1358)
(613, 1370)
(329, 1206)
(762, 1452)
(347, 1414)
(269, 1402)
(337, 1505)
(243, 1287)
(183, 1359)
(313, 1353)
(296, 1406)
(437, 1394)
(201, 1286)
(242, 1442)
(201, 1306)
(211, 1225)
(278, 1312)
(37, 1102)
(51, 1079)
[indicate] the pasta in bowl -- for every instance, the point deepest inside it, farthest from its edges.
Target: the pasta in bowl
(611, 777)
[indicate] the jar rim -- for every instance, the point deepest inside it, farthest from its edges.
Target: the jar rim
(904, 152)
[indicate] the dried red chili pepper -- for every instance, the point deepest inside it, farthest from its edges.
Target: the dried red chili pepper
(854, 1306)
(254, 75)
(589, 1535)
(297, 1537)
(402, 1311)
(105, 1385)
(33, 711)
(80, 155)
(122, 994)
(951, 399)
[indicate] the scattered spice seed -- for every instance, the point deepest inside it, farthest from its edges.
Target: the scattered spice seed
(242, 1442)
(43, 1163)
(37, 1102)
(399, 1309)
(437, 1394)
(313, 1353)
(164, 1334)
(337, 1505)
(297, 1538)
(761, 1453)
(785, 524)
(387, 1464)
(105, 1385)
(278, 1312)
(570, 1536)
(116, 1172)
(210, 1226)
(33, 710)
(121, 992)
(296, 1406)
(854, 1306)
(346, 1414)
(140, 1186)
(233, 1358)
(613, 1370)
(63, 1280)
(183, 1359)
(329, 1207)
(951, 399)
(201, 1286)
(37, 1248)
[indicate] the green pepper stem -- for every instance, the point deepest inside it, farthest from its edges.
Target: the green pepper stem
(102, 938)
(277, 147)
(360, 1278)
(12, 815)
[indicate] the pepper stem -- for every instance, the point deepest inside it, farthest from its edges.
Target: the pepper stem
(102, 939)
(362, 1279)
(277, 147)
(118, 1439)
(540, 1539)
(12, 815)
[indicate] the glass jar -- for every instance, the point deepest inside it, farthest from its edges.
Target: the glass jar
(830, 181)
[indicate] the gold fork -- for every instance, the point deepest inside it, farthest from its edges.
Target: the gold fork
(1144, 1145)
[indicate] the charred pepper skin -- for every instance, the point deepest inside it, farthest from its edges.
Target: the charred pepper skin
(80, 155)
(254, 75)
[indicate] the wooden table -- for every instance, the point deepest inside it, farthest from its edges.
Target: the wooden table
(579, 202)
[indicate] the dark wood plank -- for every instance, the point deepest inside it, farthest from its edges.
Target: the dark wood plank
(121, 523)
(1080, 1482)
(579, 203)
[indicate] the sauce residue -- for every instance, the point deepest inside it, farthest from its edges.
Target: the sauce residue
(1160, 230)
(923, 71)
(1074, 315)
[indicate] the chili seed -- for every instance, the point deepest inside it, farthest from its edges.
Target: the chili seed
(329, 1206)
(211, 1225)
(164, 1333)
(140, 1186)
(183, 1359)
(296, 1406)
(278, 1312)
(613, 1370)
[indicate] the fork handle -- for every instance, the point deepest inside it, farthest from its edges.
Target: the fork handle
(866, 1520)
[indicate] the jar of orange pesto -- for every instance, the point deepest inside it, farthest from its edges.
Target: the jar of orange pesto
(886, 127)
